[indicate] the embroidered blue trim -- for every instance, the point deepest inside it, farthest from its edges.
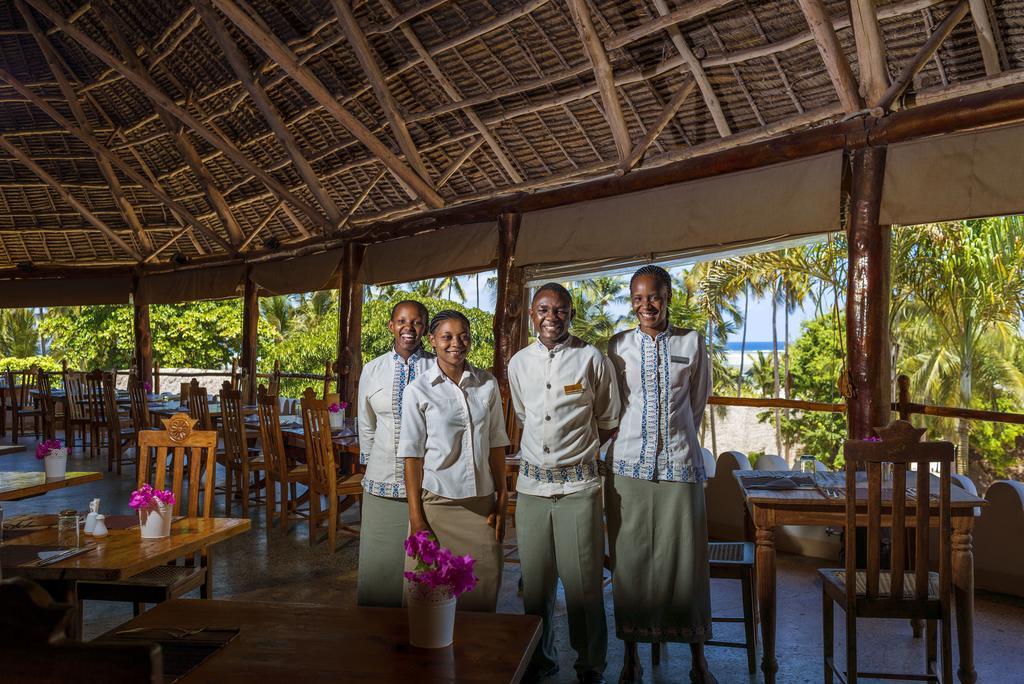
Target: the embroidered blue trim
(405, 373)
(576, 473)
(390, 490)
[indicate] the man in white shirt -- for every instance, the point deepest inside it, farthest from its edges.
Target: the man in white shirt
(564, 394)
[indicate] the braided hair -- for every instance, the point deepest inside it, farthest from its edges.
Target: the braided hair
(447, 315)
(660, 275)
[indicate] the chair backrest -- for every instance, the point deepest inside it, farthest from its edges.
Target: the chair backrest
(173, 442)
(74, 389)
(97, 408)
(316, 428)
(110, 403)
(724, 500)
(138, 403)
(709, 462)
(233, 424)
(46, 404)
(899, 445)
(770, 462)
(269, 412)
(18, 385)
(199, 405)
(183, 394)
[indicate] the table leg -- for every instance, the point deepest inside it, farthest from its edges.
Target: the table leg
(963, 593)
(766, 600)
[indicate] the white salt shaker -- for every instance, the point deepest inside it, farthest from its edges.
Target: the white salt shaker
(100, 529)
(90, 519)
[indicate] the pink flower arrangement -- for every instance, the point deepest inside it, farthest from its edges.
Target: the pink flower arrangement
(147, 497)
(437, 567)
(336, 407)
(873, 439)
(148, 386)
(43, 449)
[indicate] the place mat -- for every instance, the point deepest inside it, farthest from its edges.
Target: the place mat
(183, 650)
(30, 520)
(28, 554)
(799, 480)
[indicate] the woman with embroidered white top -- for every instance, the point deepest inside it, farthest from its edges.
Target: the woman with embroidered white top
(385, 513)
(657, 527)
(453, 442)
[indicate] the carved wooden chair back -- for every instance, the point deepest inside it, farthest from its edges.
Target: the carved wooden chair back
(900, 445)
(97, 407)
(170, 449)
(316, 427)
(269, 413)
(138, 402)
(236, 449)
(199, 405)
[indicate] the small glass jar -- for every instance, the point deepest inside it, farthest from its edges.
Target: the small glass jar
(807, 465)
(68, 530)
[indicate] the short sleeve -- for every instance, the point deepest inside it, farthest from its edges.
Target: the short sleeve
(412, 442)
(497, 436)
(607, 400)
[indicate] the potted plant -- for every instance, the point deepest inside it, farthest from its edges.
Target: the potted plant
(336, 414)
(439, 579)
(155, 507)
(54, 456)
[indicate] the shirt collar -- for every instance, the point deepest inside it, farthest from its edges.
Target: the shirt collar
(557, 348)
(670, 330)
(413, 358)
(469, 376)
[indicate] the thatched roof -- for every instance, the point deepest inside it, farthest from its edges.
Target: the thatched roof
(465, 99)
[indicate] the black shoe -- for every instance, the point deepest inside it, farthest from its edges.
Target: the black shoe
(537, 673)
(591, 677)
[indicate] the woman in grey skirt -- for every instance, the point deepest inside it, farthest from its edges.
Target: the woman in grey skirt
(385, 513)
(657, 525)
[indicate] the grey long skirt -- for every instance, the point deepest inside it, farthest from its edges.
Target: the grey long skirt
(658, 536)
(385, 523)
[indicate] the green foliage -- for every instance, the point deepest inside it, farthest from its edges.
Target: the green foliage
(18, 336)
(47, 363)
(994, 443)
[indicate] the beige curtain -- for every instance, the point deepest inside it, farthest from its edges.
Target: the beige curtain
(459, 249)
(64, 291)
(300, 274)
(191, 285)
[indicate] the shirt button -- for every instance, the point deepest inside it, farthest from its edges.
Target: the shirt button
(547, 417)
(547, 450)
(551, 355)
(549, 385)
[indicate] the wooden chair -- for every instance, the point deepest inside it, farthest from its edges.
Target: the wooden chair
(139, 403)
(47, 405)
(735, 560)
(901, 592)
(279, 471)
(34, 645)
(20, 401)
(120, 435)
(240, 460)
(324, 480)
(76, 408)
(198, 404)
(183, 394)
(96, 409)
(162, 452)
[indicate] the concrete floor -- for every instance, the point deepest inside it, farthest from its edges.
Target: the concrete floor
(283, 567)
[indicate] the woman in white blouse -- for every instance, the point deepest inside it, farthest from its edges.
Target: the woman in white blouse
(453, 441)
(385, 514)
(657, 527)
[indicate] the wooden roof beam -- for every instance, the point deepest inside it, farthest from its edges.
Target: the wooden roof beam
(145, 84)
(69, 199)
(116, 161)
(364, 53)
(53, 61)
(690, 11)
(452, 92)
(697, 71)
(263, 103)
(603, 74)
(302, 75)
(874, 76)
(986, 36)
(832, 54)
(922, 56)
(667, 114)
(405, 17)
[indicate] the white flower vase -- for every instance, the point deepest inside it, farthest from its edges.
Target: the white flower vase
(155, 523)
(337, 419)
(56, 464)
(431, 617)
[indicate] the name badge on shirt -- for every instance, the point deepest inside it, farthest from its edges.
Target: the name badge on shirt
(680, 359)
(574, 389)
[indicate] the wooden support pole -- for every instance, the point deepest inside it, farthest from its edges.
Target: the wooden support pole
(832, 54)
(986, 36)
(509, 332)
(143, 343)
(874, 77)
(250, 336)
(350, 323)
(867, 298)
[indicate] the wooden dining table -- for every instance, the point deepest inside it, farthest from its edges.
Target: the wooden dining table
(122, 554)
(16, 485)
(770, 509)
(278, 642)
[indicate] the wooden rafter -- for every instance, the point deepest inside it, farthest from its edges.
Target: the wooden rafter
(986, 36)
(70, 199)
(666, 116)
(262, 224)
(100, 149)
(302, 75)
(602, 74)
(688, 12)
(874, 77)
(362, 197)
(401, 19)
(450, 89)
(142, 81)
(697, 71)
(270, 113)
(364, 53)
(53, 61)
(832, 54)
(922, 56)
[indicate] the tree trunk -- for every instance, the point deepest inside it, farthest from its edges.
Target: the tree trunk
(743, 340)
(775, 367)
(711, 409)
(963, 455)
(785, 376)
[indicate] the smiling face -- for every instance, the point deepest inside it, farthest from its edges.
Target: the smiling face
(451, 342)
(551, 313)
(650, 303)
(407, 325)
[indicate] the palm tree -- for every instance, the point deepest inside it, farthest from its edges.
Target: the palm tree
(314, 306)
(279, 311)
(18, 334)
(592, 300)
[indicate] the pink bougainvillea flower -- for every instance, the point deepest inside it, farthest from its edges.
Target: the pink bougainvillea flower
(437, 567)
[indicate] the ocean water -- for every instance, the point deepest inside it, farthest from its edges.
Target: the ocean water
(732, 355)
(766, 346)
